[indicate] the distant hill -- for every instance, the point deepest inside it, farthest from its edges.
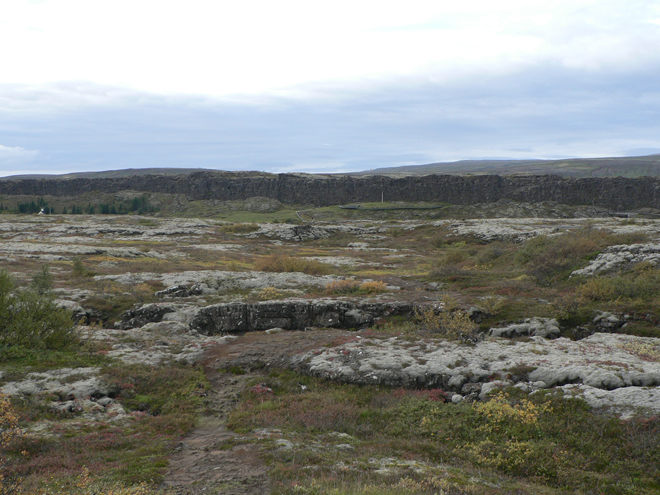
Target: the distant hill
(127, 172)
(633, 166)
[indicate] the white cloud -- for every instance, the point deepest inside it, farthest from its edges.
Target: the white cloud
(260, 85)
(10, 156)
(218, 48)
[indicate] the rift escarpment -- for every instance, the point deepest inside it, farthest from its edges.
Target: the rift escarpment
(325, 190)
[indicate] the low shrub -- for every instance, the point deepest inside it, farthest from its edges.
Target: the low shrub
(597, 289)
(284, 263)
(449, 324)
(8, 431)
(493, 305)
(339, 287)
(373, 287)
(42, 282)
(643, 282)
(454, 256)
(268, 294)
(349, 286)
(31, 319)
(79, 270)
(84, 484)
(492, 252)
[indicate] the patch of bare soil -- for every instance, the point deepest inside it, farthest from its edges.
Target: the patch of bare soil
(206, 461)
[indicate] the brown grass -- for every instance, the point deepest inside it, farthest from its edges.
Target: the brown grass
(339, 287)
(285, 263)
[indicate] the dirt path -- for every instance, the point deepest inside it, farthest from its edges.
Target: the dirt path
(203, 462)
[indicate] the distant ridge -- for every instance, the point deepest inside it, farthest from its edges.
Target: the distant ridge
(126, 172)
(632, 166)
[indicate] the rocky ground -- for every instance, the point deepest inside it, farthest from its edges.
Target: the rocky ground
(157, 291)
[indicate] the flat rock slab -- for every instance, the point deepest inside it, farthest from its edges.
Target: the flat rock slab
(521, 229)
(601, 362)
(66, 382)
(615, 256)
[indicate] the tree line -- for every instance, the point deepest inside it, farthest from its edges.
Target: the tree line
(139, 205)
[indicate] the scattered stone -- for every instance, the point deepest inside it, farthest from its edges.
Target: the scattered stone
(625, 402)
(457, 382)
(607, 322)
(177, 291)
(307, 232)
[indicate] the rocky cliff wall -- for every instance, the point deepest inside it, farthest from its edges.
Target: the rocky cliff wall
(614, 193)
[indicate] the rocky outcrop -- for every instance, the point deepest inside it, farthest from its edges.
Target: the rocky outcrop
(149, 313)
(616, 256)
(292, 315)
(614, 193)
(538, 327)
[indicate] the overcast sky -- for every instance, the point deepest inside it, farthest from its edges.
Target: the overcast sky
(323, 86)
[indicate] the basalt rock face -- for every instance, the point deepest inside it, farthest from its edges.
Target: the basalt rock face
(292, 315)
(614, 193)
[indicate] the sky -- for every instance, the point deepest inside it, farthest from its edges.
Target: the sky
(300, 86)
